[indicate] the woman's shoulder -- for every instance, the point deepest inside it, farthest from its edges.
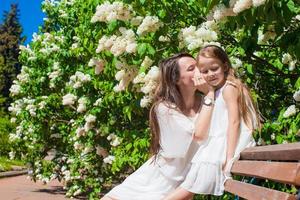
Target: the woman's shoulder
(164, 106)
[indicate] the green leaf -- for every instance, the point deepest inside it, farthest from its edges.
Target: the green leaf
(250, 69)
(150, 49)
(142, 48)
(162, 13)
(112, 25)
(291, 6)
(297, 84)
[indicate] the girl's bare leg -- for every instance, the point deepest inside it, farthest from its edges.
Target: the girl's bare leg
(180, 194)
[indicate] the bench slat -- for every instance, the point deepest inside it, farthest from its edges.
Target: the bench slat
(254, 192)
(284, 152)
(284, 172)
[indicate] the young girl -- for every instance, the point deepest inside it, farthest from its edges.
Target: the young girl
(233, 121)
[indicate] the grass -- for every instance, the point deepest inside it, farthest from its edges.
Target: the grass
(6, 164)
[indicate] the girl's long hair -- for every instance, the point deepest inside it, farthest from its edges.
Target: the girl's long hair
(166, 92)
(247, 108)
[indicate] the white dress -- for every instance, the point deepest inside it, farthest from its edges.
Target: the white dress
(206, 175)
(154, 180)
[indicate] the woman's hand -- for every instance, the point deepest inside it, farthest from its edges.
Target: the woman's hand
(201, 84)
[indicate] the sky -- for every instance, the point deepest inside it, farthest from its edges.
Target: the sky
(30, 15)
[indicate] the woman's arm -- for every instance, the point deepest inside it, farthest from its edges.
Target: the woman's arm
(204, 118)
(230, 94)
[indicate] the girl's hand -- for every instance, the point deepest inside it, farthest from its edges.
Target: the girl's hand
(226, 167)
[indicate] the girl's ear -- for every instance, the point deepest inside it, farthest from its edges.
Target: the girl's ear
(226, 67)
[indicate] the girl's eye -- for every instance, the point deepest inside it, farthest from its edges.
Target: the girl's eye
(204, 71)
(214, 69)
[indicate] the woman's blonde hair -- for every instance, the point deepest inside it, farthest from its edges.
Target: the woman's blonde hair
(247, 110)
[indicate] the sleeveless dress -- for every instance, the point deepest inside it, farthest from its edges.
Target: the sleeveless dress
(157, 178)
(206, 175)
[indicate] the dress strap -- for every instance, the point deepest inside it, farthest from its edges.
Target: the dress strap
(227, 83)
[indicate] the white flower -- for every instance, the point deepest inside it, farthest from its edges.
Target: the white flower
(149, 24)
(98, 69)
(260, 141)
(136, 20)
(147, 62)
(80, 132)
(236, 63)
(242, 5)
(107, 12)
(164, 38)
(77, 192)
(220, 12)
(109, 159)
(55, 135)
(69, 99)
(78, 146)
(98, 102)
(82, 105)
(195, 38)
(87, 150)
(118, 45)
(120, 74)
(78, 79)
(297, 95)
(145, 101)
(153, 73)
(74, 46)
(131, 48)
(139, 78)
(90, 118)
(54, 74)
(31, 109)
(98, 63)
(115, 142)
(273, 136)
(81, 108)
(13, 120)
(286, 58)
(119, 87)
(12, 155)
(291, 110)
(111, 136)
(257, 3)
(15, 88)
(292, 65)
(42, 104)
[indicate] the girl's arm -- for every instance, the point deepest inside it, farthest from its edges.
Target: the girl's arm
(230, 94)
(204, 118)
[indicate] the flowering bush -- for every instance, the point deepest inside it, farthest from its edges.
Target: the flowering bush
(88, 78)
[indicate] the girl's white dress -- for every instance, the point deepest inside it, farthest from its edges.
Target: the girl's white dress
(206, 175)
(155, 179)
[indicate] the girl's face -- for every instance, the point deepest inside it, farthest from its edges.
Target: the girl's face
(212, 70)
(187, 67)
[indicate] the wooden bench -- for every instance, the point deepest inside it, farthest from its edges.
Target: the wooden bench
(279, 163)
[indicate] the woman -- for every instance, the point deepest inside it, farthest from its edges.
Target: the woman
(173, 118)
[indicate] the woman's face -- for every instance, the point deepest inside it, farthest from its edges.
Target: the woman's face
(187, 67)
(212, 71)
